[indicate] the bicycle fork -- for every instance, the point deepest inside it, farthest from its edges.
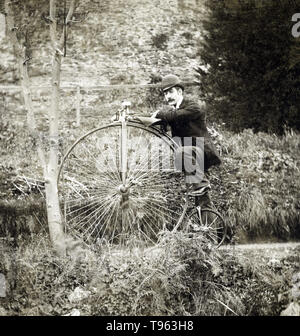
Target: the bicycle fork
(180, 220)
(124, 188)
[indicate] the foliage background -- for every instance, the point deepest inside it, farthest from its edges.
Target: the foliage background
(248, 73)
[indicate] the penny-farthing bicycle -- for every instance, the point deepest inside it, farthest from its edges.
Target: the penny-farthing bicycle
(118, 185)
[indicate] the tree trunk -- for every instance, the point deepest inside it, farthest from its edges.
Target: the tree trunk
(54, 214)
(50, 168)
(52, 199)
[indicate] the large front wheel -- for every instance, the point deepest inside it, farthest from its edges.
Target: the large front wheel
(105, 201)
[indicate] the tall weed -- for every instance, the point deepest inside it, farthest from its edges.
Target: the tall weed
(259, 182)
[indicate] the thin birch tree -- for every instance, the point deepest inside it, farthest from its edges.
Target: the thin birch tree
(49, 161)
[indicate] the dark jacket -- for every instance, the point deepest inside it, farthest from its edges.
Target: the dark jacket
(189, 120)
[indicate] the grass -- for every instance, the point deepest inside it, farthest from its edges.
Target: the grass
(181, 276)
(167, 281)
(258, 184)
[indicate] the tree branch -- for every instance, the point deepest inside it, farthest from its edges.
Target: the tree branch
(68, 20)
(53, 24)
(71, 11)
(24, 78)
(52, 14)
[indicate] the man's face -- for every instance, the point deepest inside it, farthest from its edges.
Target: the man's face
(173, 95)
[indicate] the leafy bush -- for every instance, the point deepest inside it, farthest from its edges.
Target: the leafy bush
(175, 277)
(39, 281)
(262, 284)
(168, 279)
(258, 183)
(182, 275)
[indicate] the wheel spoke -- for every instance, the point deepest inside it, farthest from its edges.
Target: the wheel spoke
(91, 184)
(209, 223)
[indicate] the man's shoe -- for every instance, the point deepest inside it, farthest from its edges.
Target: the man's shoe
(200, 191)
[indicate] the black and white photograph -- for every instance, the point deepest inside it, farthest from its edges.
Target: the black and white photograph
(149, 161)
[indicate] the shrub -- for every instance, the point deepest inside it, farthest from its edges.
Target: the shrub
(258, 184)
(175, 277)
(182, 275)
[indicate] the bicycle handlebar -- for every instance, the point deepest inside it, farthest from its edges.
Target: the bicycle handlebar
(147, 121)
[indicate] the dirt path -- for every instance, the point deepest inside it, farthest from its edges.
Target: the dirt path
(268, 250)
(262, 246)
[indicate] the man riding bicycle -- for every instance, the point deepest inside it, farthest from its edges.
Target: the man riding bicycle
(196, 152)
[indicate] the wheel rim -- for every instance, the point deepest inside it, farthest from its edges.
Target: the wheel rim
(209, 223)
(99, 207)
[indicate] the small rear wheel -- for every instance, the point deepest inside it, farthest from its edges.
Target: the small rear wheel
(208, 222)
